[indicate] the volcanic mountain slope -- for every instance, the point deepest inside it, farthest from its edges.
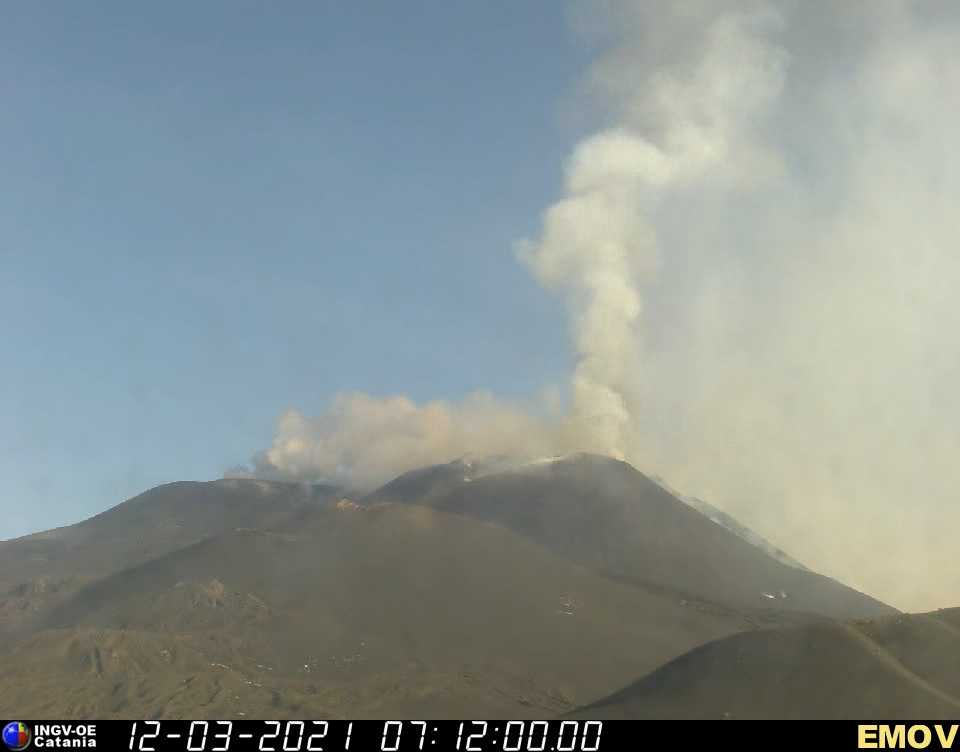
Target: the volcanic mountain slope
(734, 526)
(503, 591)
(347, 611)
(40, 570)
(606, 515)
(894, 667)
(151, 524)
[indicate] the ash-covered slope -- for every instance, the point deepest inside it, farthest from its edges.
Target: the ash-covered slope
(608, 516)
(490, 590)
(395, 610)
(894, 667)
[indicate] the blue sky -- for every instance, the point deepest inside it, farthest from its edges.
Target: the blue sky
(213, 212)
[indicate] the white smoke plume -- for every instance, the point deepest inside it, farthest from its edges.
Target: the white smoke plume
(759, 255)
(682, 122)
(362, 442)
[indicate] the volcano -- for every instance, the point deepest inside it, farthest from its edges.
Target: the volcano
(473, 588)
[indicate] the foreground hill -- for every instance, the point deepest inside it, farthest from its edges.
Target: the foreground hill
(606, 515)
(895, 667)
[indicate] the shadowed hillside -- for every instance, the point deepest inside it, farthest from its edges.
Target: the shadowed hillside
(895, 667)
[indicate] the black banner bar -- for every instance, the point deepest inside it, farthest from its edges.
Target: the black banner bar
(473, 735)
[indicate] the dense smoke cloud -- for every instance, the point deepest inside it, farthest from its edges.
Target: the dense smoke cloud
(759, 255)
(801, 354)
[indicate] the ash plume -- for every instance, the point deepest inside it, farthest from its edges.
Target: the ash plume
(757, 250)
(363, 441)
(681, 122)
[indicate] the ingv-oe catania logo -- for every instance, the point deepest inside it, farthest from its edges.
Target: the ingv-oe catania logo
(16, 736)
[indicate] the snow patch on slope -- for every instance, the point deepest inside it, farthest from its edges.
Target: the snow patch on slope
(724, 520)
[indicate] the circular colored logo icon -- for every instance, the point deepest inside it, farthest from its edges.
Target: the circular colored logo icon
(16, 736)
